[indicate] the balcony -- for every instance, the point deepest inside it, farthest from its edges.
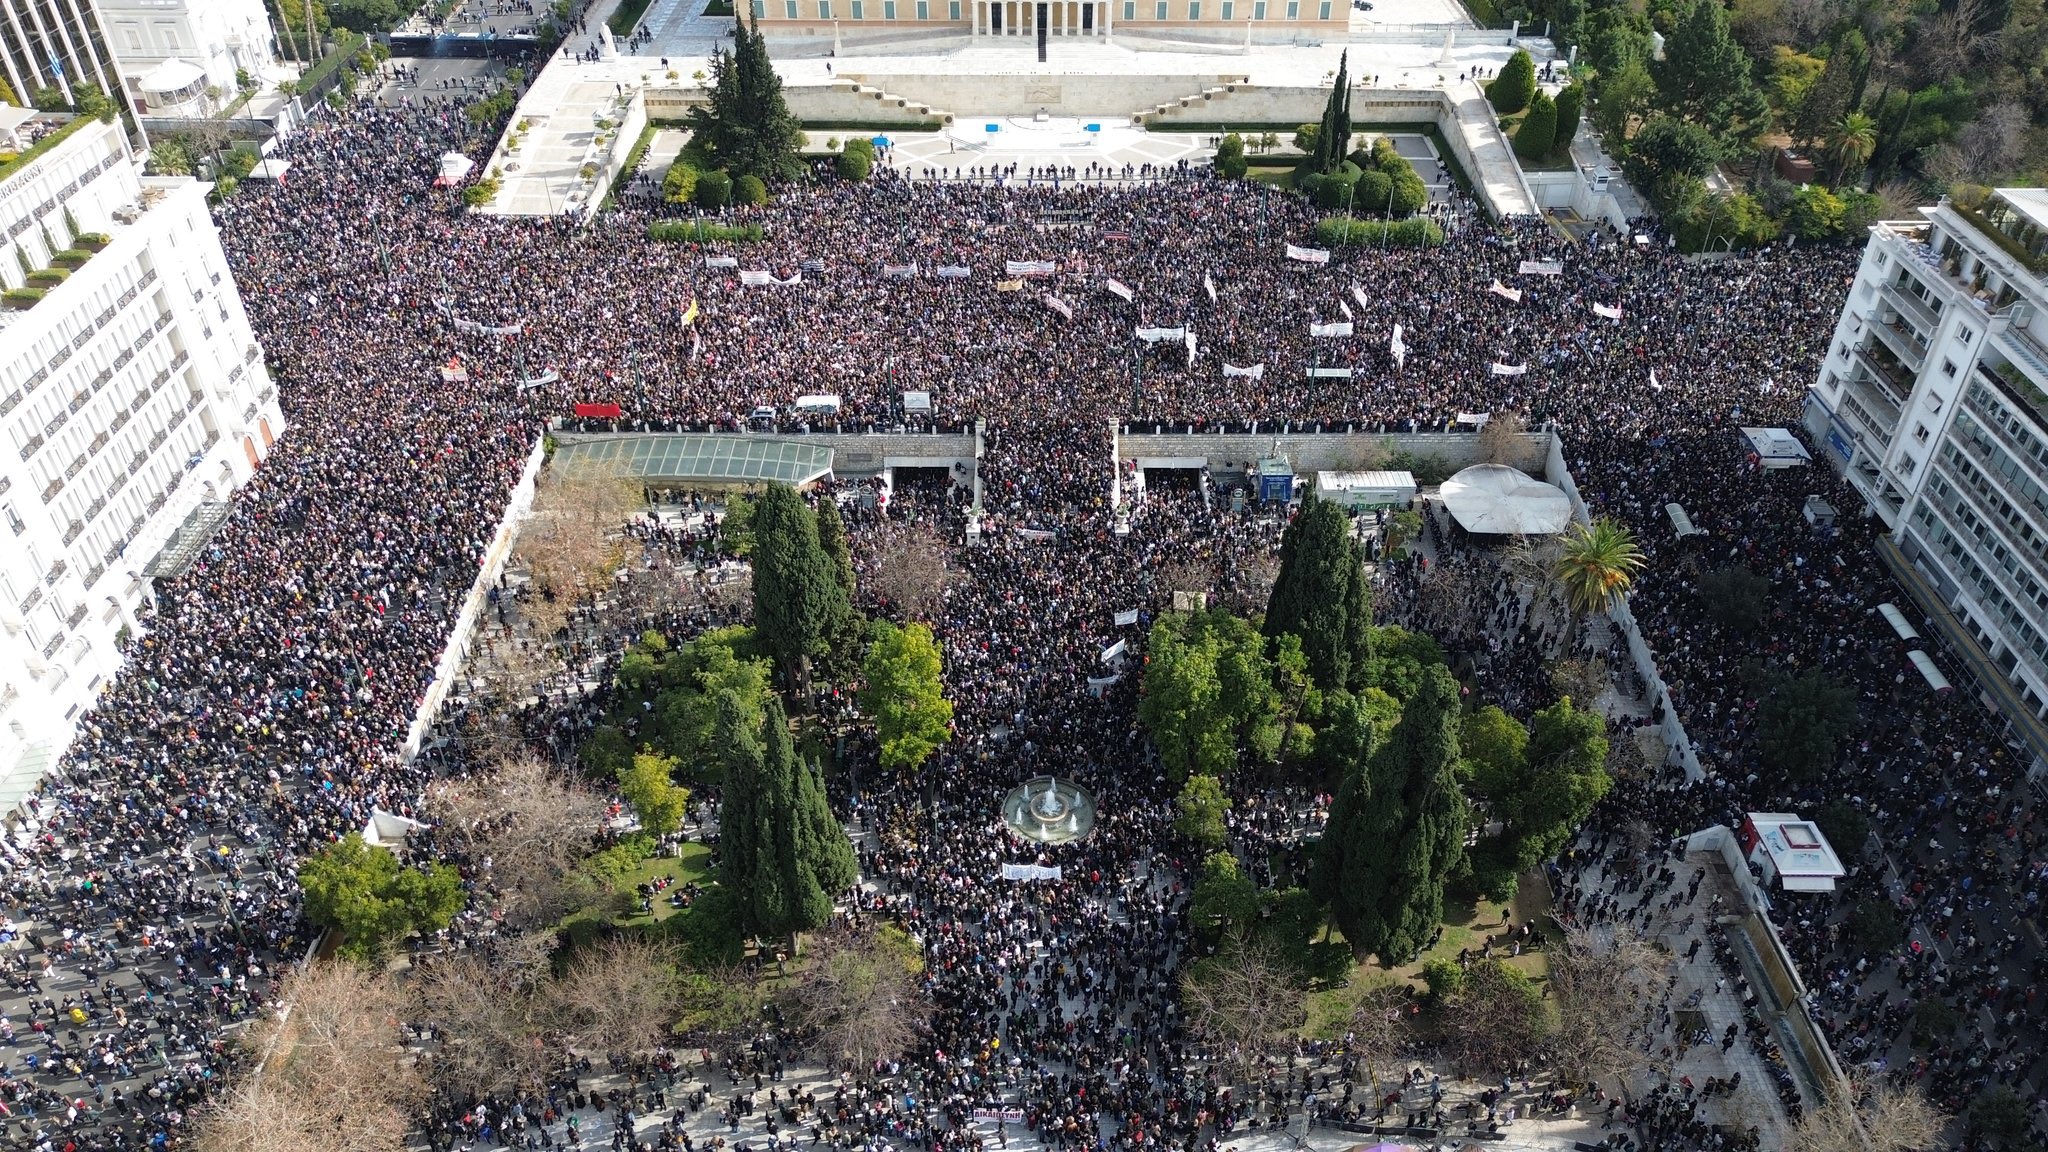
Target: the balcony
(29, 602)
(80, 401)
(99, 442)
(1925, 316)
(76, 466)
(56, 572)
(1909, 346)
(92, 577)
(13, 400)
(55, 487)
(29, 449)
(50, 649)
(73, 531)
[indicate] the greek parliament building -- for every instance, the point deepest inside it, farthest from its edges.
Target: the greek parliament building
(133, 400)
(1200, 19)
(1933, 403)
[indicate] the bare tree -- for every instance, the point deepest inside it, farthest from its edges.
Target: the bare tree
(1248, 580)
(1496, 1021)
(1608, 984)
(1869, 1116)
(1954, 39)
(723, 1000)
(526, 826)
(1182, 574)
(908, 569)
(862, 995)
(1379, 1027)
(1245, 998)
(1500, 441)
(1896, 200)
(490, 1034)
(1992, 142)
(331, 1070)
(570, 545)
(1583, 680)
(620, 997)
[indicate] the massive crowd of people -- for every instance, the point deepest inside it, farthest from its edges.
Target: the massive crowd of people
(262, 712)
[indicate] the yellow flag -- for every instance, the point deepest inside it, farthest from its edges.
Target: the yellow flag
(690, 313)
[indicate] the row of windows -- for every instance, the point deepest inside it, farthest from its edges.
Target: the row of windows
(1992, 548)
(2018, 527)
(2022, 634)
(1984, 402)
(2001, 463)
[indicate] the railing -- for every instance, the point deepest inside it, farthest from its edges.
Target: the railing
(50, 649)
(74, 531)
(29, 602)
(56, 486)
(56, 572)
(29, 449)
(14, 398)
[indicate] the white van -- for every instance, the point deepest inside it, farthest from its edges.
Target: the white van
(826, 404)
(762, 414)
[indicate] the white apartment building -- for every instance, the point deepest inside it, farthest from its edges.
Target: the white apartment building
(1933, 402)
(133, 395)
(171, 52)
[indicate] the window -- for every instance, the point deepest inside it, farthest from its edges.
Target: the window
(954, 10)
(1194, 9)
(1967, 334)
(1906, 465)
(13, 521)
(1130, 9)
(888, 9)
(760, 8)
(1325, 10)
(824, 9)
(789, 8)
(1258, 9)
(1228, 6)
(856, 9)
(134, 39)
(1294, 9)
(1920, 433)
(1948, 368)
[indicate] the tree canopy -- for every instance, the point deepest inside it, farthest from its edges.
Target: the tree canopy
(904, 694)
(1209, 693)
(799, 602)
(373, 899)
(1320, 593)
(784, 854)
(746, 125)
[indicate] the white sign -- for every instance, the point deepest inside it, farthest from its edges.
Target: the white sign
(1334, 373)
(1308, 255)
(1118, 288)
(1608, 310)
(900, 271)
(1398, 348)
(721, 261)
(1030, 267)
(1500, 369)
(1114, 650)
(1256, 371)
(1341, 328)
(1541, 268)
(1209, 284)
(1058, 305)
(1031, 872)
(1127, 616)
(955, 272)
(1155, 335)
(1500, 289)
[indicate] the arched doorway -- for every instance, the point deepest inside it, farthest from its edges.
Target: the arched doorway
(249, 447)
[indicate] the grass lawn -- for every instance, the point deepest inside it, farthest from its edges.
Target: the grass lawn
(694, 863)
(1281, 178)
(1467, 924)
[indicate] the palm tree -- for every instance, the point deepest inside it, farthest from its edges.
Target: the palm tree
(1596, 563)
(1853, 141)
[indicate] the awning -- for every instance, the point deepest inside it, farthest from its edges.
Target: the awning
(172, 76)
(1928, 672)
(1680, 522)
(270, 170)
(1806, 883)
(1776, 447)
(695, 459)
(186, 541)
(1494, 499)
(454, 168)
(1898, 621)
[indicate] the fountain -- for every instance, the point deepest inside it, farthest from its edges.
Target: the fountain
(1049, 810)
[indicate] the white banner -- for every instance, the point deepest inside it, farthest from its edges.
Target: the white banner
(1654, 386)
(757, 279)
(1058, 305)
(955, 272)
(444, 305)
(1036, 533)
(795, 278)
(1114, 650)
(1256, 371)
(548, 377)
(1541, 268)
(721, 261)
(1475, 419)
(1500, 369)
(1500, 289)
(811, 264)
(1358, 294)
(1347, 310)
(1189, 340)
(1209, 285)
(1118, 289)
(1308, 255)
(1011, 1115)
(900, 271)
(1097, 685)
(1030, 267)
(1398, 348)
(1331, 373)
(454, 373)
(1127, 616)
(1341, 328)
(1031, 872)
(1608, 310)
(1155, 335)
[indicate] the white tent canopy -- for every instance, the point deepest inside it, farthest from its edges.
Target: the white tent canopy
(454, 166)
(1776, 447)
(1495, 499)
(171, 76)
(271, 169)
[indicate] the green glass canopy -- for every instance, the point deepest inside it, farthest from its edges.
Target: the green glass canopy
(694, 458)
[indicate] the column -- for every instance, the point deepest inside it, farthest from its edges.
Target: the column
(1108, 18)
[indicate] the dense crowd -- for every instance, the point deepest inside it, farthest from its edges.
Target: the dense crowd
(262, 712)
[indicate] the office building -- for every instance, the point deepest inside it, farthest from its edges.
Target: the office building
(1933, 403)
(54, 44)
(186, 57)
(133, 400)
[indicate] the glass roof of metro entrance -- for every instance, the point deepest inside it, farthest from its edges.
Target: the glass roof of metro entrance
(695, 458)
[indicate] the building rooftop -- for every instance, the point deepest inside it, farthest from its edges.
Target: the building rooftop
(2029, 202)
(696, 459)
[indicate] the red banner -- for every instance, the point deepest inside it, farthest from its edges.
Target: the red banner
(608, 411)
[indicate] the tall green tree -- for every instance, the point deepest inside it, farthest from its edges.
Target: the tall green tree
(373, 899)
(1320, 594)
(1199, 812)
(1511, 91)
(1537, 133)
(1542, 793)
(1208, 693)
(904, 694)
(798, 600)
(1333, 134)
(1828, 99)
(1397, 829)
(746, 125)
(832, 538)
(1801, 721)
(1571, 103)
(785, 854)
(1706, 77)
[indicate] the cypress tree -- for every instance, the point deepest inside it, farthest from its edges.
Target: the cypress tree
(1320, 594)
(746, 829)
(798, 600)
(1571, 103)
(746, 124)
(1511, 91)
(1333, 133)
(1538, 130)
(832, 538)
(810, 860)
(1397, 830)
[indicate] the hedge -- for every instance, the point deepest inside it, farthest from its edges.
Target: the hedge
(692, 231)
(1414, 232)
(47, 277)
(71, 258)
(23, 159)
(21, 298)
